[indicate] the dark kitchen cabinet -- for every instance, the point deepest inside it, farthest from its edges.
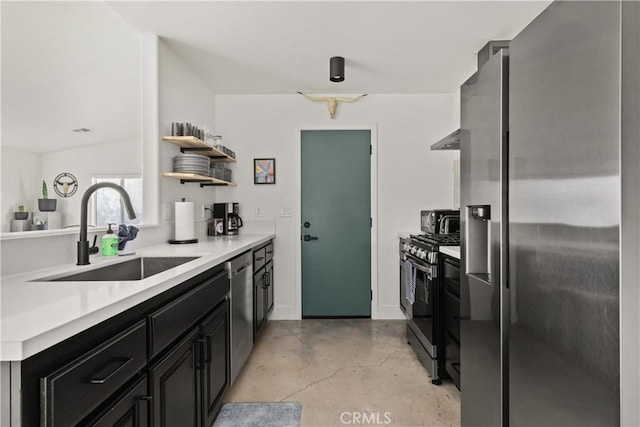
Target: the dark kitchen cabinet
(168, 323)
(72, 392)
(187, 384)
(259, 257)
(130, 409)
(259, 293)
(162, 362)
(263, 289)
(216, 364)
(269, 287)
(175, 384)
(450, 272)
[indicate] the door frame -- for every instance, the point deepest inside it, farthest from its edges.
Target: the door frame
(373, 128)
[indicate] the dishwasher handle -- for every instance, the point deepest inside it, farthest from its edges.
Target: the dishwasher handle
(243, 267)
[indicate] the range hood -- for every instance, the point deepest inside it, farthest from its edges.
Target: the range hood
(452, 141)
(449, 142)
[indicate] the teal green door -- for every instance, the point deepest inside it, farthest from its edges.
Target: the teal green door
(336, 209)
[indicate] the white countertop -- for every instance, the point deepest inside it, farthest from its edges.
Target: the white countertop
(38, 315)
(452, 251)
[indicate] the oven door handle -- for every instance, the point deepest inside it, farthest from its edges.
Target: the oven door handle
(419, 265)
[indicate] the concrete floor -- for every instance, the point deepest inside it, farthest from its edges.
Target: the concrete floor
(345, 372)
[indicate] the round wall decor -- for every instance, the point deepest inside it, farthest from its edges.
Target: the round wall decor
(65, 184)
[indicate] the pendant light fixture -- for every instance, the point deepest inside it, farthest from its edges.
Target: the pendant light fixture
(336, 69)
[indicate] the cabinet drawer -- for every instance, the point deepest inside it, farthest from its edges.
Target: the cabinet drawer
(259, 258)
(269, 252)
(131, 408)
(171, 321)
(73, 391)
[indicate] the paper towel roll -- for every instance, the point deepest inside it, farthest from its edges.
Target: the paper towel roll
(185, 221)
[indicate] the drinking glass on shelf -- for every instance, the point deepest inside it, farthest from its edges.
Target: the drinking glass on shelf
(217, 142)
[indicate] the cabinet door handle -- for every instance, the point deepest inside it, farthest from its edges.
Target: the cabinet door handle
(108, 370)
(141, 412)
(197, 347)
(207, 345)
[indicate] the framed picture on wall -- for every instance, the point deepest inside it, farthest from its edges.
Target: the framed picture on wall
(264, 171)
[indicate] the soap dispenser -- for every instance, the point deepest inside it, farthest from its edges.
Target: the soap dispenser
(110, 243)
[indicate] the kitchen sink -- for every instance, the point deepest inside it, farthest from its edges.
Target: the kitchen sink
(134, 269)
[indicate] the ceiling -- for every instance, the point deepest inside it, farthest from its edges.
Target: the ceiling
(267, 47)
(68, 65)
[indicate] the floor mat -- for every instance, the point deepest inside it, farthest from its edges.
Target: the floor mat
(259, 415)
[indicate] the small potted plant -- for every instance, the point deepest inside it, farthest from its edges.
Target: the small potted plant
(46, 204)
(21, 214)
(39, 224)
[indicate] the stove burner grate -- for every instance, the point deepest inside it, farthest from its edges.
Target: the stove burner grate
(438, 239)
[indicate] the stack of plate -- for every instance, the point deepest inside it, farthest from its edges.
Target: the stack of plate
(217, 170)
(191, 163)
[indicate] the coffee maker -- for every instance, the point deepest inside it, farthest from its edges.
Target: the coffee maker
(226, 219)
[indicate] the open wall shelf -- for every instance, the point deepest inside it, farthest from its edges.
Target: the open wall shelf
(204, 181)
(191, 144)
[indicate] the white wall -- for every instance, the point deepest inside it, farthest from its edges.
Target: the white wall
(112, 158)
(410, 176)
(182, 97)
(20, 185)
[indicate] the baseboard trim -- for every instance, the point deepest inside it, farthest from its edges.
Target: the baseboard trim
(389, 312)
(336, 317)
(284, 313)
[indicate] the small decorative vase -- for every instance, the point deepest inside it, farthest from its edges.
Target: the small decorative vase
(47, 205)
(21, 215)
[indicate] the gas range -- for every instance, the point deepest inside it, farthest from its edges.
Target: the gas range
(425, 246)
(421, 296)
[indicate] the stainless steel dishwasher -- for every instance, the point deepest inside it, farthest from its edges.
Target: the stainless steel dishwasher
(240, 271)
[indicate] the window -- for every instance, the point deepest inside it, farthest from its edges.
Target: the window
(108, 207)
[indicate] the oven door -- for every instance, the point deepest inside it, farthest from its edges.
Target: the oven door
(405, 305)
(424, 310)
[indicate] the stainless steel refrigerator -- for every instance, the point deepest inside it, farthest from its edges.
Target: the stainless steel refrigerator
(550, 222)
(484, 304)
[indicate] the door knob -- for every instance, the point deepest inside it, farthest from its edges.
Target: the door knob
(307, 225)
(309, 237)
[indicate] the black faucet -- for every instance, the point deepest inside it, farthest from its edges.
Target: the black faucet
(83, 243)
